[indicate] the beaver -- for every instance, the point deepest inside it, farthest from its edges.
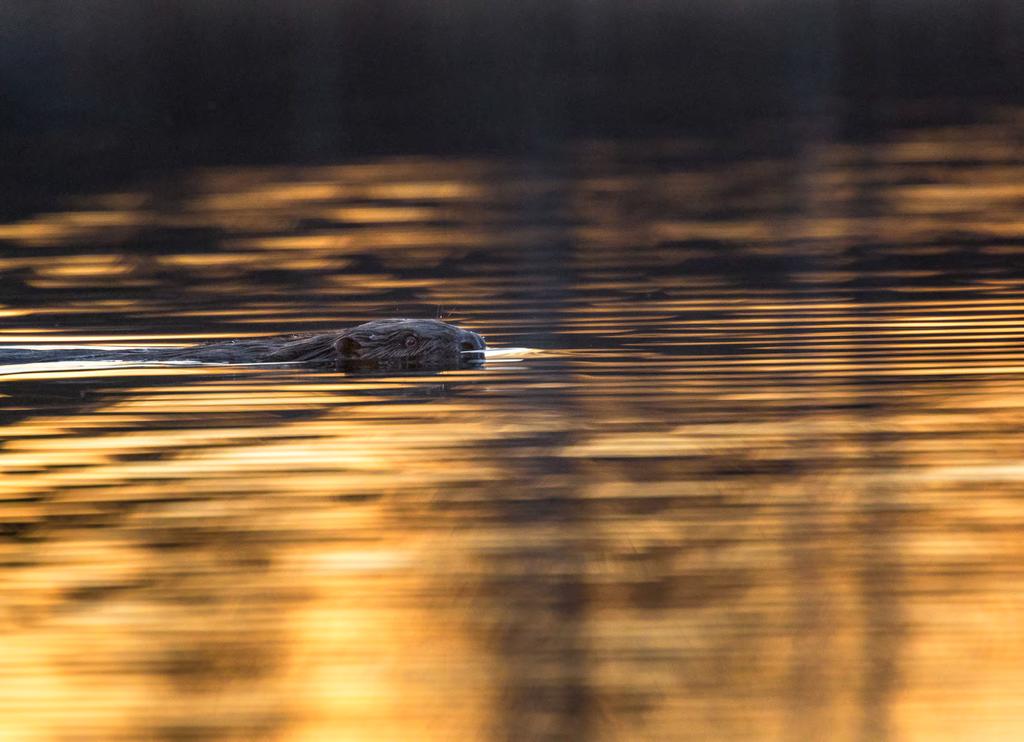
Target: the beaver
(387, 344)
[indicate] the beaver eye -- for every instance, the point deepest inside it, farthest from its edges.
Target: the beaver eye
(411, 341)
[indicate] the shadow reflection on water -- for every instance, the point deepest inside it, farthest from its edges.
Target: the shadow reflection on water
(761, 482)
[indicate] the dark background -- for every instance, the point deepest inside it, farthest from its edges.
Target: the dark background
(96, 91)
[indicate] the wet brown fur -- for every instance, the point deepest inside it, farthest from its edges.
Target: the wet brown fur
(382, 344)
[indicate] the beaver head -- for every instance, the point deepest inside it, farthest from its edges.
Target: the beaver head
(409, 343)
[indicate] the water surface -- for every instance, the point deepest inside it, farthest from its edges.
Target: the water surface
(761, 481)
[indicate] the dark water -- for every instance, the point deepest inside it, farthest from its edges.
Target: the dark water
(760, 479)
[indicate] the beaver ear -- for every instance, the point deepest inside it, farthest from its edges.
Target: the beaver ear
(347, 347)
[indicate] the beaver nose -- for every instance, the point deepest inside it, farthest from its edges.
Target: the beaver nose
(470, 341)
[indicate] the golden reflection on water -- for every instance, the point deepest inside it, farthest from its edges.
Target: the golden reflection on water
(762, 481)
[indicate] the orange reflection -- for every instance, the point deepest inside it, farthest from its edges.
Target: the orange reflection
(762, 480)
